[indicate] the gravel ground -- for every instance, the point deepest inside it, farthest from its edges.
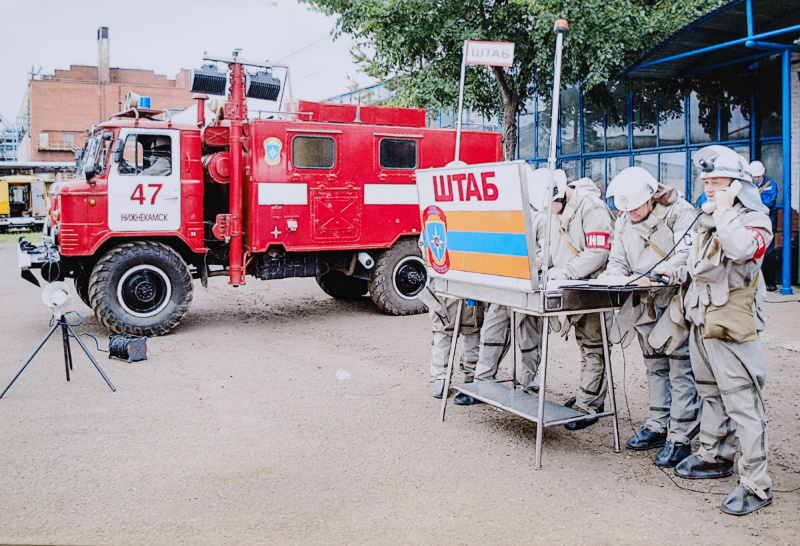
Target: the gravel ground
(277, 415)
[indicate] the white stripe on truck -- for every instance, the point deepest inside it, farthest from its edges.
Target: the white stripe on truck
(390, 194)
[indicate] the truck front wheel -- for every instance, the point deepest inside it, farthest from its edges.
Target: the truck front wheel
(140, 288)
(398, 277)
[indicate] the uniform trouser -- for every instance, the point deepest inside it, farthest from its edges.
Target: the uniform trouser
(594, 384)
(674, 403)
(730, 377)
(494, 336)
(443, 317)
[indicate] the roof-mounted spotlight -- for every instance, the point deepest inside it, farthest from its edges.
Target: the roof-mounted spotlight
(263, 85)
(210, 80)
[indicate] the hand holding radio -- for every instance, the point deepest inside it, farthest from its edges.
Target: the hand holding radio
(723, 199)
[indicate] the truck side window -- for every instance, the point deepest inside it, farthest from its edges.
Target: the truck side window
(398, 153)
(147, 155)
(313, 152)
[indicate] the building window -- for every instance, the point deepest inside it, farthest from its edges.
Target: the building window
(644, 119)
(44, 140)
(617, 120)
(313, 152)
(69, 138)
(672, 171)
(543, 138)
(570, 126)
(704, 120)
(671, 127)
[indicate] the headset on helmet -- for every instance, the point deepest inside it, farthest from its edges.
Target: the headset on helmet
(722, 162)
(631, 188)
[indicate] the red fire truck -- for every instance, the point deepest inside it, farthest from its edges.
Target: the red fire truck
(327, 191)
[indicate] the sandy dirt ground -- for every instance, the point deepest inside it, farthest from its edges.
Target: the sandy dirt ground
(242, 428)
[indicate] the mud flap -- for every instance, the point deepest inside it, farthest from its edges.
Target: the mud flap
(28, 275)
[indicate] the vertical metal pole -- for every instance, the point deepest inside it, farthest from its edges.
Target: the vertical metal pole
(65, 340)
(542, 389)
(236, 112)
(610, 375)
(451, 359)
(513, 350)
(749, 9)
(560, 29)
(786, 286)
(461, 100)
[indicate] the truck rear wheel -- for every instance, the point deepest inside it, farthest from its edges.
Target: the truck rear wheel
(342, 287)
(398, 277)
(140, 288)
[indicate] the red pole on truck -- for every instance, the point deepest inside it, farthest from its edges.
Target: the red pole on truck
(236, 112)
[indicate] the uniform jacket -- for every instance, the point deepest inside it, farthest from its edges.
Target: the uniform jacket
(728, 248)
(581, 238)
(638, 247)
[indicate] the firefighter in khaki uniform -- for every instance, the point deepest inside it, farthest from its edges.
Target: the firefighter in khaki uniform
(579, 249)
(442, 312)
(723, 306)
(495, 331)
(654, 221)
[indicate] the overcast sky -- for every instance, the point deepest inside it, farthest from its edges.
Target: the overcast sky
(168, 35)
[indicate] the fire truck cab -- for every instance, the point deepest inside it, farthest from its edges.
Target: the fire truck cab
(327, 191)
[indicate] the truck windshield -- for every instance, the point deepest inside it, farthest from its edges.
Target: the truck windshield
(95, 152)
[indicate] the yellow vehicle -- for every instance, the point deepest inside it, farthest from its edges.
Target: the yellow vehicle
(23, 203)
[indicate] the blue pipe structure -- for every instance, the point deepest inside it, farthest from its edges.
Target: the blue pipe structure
(740, 41)
(786, 98)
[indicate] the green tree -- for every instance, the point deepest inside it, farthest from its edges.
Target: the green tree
(418, 44)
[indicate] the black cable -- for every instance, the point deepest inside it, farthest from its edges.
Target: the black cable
(630, 419)
(80, 321)
(671, 250)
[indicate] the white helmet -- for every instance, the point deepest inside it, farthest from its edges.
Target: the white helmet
(538, 181)
(631, 189)
(757, 168)
(722, 162)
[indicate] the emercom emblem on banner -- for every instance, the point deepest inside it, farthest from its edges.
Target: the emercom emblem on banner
(434, 231)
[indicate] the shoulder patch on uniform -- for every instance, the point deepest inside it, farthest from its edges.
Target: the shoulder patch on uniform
(762, 244)
(598, 239)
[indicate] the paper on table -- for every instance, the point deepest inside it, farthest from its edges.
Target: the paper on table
(613, 280)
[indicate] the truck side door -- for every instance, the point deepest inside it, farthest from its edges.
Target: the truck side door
(144, 187)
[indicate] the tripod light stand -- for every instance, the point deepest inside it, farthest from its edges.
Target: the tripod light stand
(56, 296)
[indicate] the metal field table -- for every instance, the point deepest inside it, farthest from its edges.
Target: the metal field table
(534, 406)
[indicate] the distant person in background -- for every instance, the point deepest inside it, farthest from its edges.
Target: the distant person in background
(769, 196)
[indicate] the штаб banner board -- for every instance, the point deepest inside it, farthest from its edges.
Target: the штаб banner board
(476, 225)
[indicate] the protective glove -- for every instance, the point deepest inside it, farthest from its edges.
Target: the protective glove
(664, 269)
(556, 274)
(724, 198)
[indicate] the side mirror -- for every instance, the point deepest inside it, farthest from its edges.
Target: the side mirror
(78, 154)
(89, 171)
(116, 151)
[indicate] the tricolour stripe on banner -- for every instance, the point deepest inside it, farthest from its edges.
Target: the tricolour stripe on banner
(490, 264)
(282, 194)
(508, 221)
(509, 244)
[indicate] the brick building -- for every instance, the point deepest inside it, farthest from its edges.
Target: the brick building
(64, 105)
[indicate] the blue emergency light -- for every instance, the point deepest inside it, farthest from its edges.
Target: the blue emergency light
(144, 102)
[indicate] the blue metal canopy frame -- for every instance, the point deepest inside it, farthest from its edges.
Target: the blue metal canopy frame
(711, 60)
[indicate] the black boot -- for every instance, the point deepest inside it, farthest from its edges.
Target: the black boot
(743, 501)
(672, 453)
(647, 439)
(692, 468)
(462, 399)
